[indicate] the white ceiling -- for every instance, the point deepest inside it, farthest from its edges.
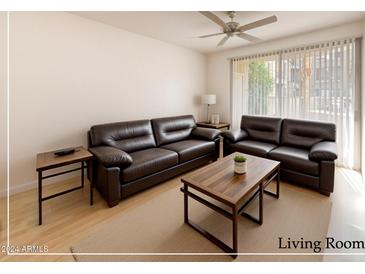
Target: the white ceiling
(182, 28)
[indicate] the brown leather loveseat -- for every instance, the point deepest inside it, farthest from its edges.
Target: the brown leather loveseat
(134, 155)
(306, 149)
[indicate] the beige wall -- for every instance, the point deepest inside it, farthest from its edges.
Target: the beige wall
(3, 78)
(218, 79)
(69, 73)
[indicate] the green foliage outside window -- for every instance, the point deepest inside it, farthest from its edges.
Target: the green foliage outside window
(260, 84)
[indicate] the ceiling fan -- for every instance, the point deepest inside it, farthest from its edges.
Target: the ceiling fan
(233, 28)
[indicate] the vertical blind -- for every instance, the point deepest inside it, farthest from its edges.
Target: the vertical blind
(316, 82)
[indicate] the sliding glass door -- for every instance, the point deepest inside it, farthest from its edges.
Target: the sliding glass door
(254, 88)
(317, 82)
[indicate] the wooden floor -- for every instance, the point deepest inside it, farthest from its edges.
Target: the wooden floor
(66, 219)
(69, 218)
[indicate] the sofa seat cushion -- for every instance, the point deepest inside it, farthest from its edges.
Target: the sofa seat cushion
(147, 162)
(256, 148)
(295, 159)
(190, 149)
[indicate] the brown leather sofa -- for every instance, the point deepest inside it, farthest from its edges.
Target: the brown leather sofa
(306, 149)
(132, 156)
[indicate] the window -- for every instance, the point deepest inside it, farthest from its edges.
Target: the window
(316, 82)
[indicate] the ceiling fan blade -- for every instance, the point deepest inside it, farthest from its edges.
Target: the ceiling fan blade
(221, 43)
(215, 19)
(210, 35)
(248, 37)
(259, 23)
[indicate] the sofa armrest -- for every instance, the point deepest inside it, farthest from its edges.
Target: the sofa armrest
(235, 135)
(111, 157)
(106, 179)
(323, 151)
(205, 133)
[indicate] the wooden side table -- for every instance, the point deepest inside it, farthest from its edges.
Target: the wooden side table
(215, 126)
(48, 160)
(219, 126)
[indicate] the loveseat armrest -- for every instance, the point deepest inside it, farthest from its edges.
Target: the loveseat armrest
(235, 136)
(205, 133)
(323, 151)
(111, 157)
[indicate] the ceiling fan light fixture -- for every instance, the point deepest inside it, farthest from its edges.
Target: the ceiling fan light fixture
(233, 28)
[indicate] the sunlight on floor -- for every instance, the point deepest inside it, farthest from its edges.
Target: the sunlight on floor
(347, 220)
(356, 188)
(354, 179)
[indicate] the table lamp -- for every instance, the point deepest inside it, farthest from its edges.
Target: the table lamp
(208, 99)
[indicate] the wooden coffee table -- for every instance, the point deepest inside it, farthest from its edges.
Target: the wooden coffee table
(218, 181)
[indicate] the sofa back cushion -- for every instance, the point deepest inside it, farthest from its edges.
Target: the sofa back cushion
(305, 134)
(265, 129)
(128, 136)
(172, 129)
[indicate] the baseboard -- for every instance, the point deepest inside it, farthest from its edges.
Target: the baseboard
(33, 185)
(19, 188)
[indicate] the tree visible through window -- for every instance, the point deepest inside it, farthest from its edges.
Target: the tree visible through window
(260, 82)
(316, 82)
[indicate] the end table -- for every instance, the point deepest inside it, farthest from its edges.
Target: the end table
(48, 160)
(215, 126)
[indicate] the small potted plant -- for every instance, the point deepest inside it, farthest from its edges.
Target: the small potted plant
(240, 164)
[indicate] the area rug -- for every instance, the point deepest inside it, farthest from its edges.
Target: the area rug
(157, 227)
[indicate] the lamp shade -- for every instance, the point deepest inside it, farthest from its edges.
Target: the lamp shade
(208, 99)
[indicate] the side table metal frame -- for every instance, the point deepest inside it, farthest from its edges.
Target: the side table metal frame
(41, 178)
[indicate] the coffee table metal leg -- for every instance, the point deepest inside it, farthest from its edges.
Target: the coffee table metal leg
(276, 176)
(40, 197)
(260, 193)
(235, 232)
(212, 238)
(278, 184)
(261, 204)
(232, 216)
(186, 205)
